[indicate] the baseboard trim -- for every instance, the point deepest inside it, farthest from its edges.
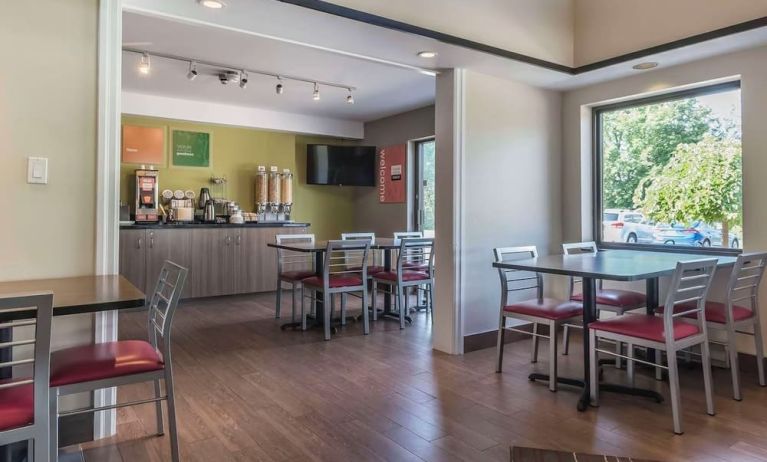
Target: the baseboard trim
(489, 339)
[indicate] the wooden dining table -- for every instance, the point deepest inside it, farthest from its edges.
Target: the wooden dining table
(613, 265)
(318, 249)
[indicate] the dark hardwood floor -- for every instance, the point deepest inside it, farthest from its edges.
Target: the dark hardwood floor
(248, 391)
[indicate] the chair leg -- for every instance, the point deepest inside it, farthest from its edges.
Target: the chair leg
(365, 314)
(303, 308)
(431, 302)
(759, 351)
(732, 352)
(53, 433)
(328, 302)
(293, 294)
(534, 352)
(402, 310)
(658, 361)
(593, 367)
(673, 381)
(343, 309)
(708, 383)
(618, 351)
(374, 299)
(158, 409)
(630, 363)
(552, 356)
(500, 345)
(566, 340)
(171, 401)
(279, 300)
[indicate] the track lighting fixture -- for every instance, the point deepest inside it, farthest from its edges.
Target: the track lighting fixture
(243, 79)
(144, 65)
(212, 4)
(350, 97)
(192, 74)
(316, 95)
(279, 88)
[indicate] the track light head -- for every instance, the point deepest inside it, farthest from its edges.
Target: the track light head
(192, 74)
(316, 94)
(279, 89)
(243, 79)
(144, 65)
(350, 97)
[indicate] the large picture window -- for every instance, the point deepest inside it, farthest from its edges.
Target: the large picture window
(668, 171)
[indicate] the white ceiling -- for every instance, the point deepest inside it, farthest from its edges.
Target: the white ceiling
(381, 89)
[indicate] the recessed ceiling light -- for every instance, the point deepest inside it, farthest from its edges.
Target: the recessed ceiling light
(214, 4)
(645, 66)
(427, 54)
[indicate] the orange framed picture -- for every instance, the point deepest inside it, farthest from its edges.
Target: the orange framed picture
(143, 145)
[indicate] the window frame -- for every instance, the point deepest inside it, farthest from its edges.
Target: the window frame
(597, 158)
(418, 180)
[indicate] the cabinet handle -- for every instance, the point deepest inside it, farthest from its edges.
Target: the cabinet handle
(228, 240)
(151, 240)
(239, 239)
(139, 243)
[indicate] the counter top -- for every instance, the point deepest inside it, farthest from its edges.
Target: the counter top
(265, 224)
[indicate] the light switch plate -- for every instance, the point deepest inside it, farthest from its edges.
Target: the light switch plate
(37, 170)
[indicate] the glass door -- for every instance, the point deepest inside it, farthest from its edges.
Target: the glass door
(424, 187)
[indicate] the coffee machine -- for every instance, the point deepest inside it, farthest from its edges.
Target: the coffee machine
(147, 196)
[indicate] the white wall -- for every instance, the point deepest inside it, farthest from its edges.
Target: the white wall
(512, 184)
(750, 65)
(608, 28)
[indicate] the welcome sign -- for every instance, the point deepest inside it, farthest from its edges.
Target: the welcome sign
(190, 149)
(391, 174)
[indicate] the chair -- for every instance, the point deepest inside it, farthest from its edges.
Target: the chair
(399, 235)
(292, 268)
(415, 268)
(338, 278)
(616, 300)
(539, 310)
(733, 318)
(23, 399)
(688, 288)
(376, 267)
(111, 364)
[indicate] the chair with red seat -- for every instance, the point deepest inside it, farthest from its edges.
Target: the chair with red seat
(105, 365)
(539, 310)
(338, 278)
(618, 301)
(24, 397)
(732, 317)
(415, 268)
(376, 265)
(292, 268)
(689, 285)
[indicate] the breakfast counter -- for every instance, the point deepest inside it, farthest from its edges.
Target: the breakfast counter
(264, 224)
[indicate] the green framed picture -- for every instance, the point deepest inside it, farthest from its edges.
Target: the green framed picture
(190, 149)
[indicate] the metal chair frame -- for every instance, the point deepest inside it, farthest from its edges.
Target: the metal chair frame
(287, 257)
(36, 433)
(370, 237)
(336, 257)
(161, 308)
(416, 252)
(422, 290)
(508, 285)
(690, 282)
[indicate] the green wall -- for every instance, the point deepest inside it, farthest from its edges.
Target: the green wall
(236, 153)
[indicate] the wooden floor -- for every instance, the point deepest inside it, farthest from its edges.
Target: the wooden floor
(248, 391)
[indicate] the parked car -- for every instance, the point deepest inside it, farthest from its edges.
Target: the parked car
(626, 226)
(697, 234)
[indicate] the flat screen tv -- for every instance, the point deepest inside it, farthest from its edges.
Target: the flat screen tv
(341, 165)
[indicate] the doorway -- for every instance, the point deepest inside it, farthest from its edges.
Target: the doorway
(424, 157)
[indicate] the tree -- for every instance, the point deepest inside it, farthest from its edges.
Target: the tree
(636, 140)
(701, 181)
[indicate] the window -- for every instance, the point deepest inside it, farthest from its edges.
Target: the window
(668, 171)
(424, 190)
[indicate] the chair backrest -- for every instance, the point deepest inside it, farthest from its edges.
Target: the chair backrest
(34, 370)
(689, 287)
(288, 260)
(406, 235)
(416, 254)
(162, 303)
(580, 248)
(338, 253)
(744, 282)
(370, 237)
(517, 280)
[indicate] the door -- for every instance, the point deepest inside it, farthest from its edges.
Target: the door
(133, 256)
(423, 209)
(211, 262)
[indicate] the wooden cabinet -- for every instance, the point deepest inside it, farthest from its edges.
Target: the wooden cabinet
(221, 261)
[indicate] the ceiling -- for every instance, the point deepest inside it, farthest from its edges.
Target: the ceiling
(381, 89)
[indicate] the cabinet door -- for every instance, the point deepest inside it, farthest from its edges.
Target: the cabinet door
(253, 272)
(212, 271)
(169, 244)
(133, 256)
(231, 260)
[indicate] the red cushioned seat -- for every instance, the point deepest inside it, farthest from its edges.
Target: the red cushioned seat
(17, 406)
(296, 275)
(618, 298)
(715, 311)
(335, 281)
(407, 276)
(372, 269)
(547, 308)
(103, 361)
(643, 326)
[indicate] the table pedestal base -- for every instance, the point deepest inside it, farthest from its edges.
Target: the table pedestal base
(585, 401)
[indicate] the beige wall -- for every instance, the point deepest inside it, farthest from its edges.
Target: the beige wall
(750, 65)
(369, 213)
(539, 28)
(608, 28)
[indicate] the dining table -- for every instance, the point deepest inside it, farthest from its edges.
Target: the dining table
(613, 265)
(318, 248)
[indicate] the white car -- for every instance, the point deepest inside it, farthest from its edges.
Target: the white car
(629, 226)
